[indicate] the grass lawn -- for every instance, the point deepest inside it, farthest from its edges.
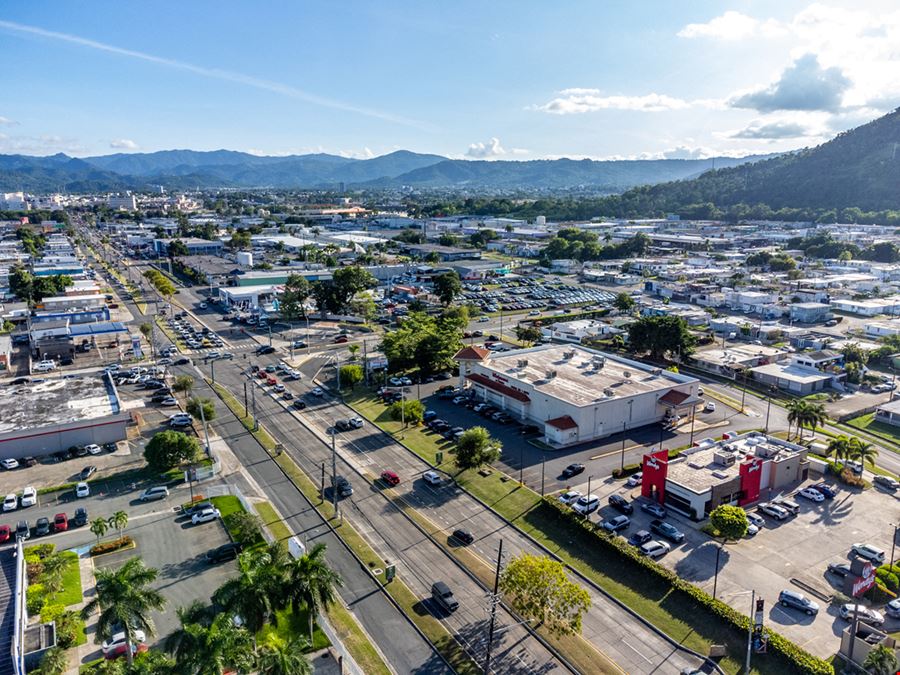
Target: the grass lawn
(240, 412)
(652, 599)
(289, 624)
(227, 504)
(271, 521)
(72, 591)
(867, 423)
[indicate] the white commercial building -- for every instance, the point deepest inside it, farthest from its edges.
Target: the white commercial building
(573, 393)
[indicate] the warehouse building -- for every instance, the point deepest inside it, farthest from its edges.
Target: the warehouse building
(45, 416)
(740, 470)
(573, 393)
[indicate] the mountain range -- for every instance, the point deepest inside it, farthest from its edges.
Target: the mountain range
(189, 169)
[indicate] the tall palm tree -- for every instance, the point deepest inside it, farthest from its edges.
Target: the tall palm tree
(119, 521)
(124, 598)
(99, 527)
(862, 452)
(839, 446)
(881, 661)
(796, 412)
(52, 568)
(311, 582)
(283, 657)
(181, 638)
(256, 593)
(815, 416)
(54, 661)
(211, 649)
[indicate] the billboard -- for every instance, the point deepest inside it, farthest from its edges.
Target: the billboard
(655, 469)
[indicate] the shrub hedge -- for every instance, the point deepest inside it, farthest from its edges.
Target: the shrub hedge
(110, 546)
(789, 656)
(35, 597)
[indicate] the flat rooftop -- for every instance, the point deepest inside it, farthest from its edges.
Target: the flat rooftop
(55, 400)
(577, 380)
(791, 372)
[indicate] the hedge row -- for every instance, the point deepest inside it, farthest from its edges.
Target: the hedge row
(786, 652)
(110, 546)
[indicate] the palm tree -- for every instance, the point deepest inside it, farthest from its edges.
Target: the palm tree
(280, 657)
(210, 649)
(124, 598)
(881, 661)
(181, 639)
(839, 446)
(354, 350)
(52, 571)
(862, 452)
(311, 582)
(256, 593)
(796, 412)
(54, 661)
(119, 521)
(99, 527)
(815, 416)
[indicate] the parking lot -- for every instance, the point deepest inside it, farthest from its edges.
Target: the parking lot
(511, 295)
(782, 553)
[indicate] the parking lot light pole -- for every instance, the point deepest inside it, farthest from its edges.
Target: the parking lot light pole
(716, 577)
(622, 463)
(894, 545)
(542, 475)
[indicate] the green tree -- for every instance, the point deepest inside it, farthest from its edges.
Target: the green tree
(118, 521)
(540, 590)
(169, 449)
(255, 593)
(624, 302)
(334, 296)
(839, 447)
(177, 248)
(661, 336)
(475, 448)
(862, 452)
(730, 521)
(276, 656)
(99, 527)
(425, 342)
(55, 661)
(351, 375)
(311, 583)
(528, 333)
(21, 283)
(245, 527)
(124, 598)
(240, 240)
(196, 404)
(291, 303)
(815, 416)
(183, 384)
(881, 661)
(354, 352)
(853, 353)
(797, 410)
(214, 647)
(447, 286)
(410, 411)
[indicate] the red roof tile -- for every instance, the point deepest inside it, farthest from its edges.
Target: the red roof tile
(563, 423)
(471, 354)
(485, 381)
(674, 397)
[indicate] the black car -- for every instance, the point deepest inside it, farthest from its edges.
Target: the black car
(839, 569)
(224, 552)
(183, 361)
(464, 536)
(830, 491)
(572, 470)
(88, 471)
(161, 396)
(639, 538)
(265, 349)
(299, 404)
(619, 503)
(29, 461)
(42, 527)
(81, 517)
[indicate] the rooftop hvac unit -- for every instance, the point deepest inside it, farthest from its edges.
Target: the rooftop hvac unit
(626, 374)
(569, 354)
(720, 474)
(551, 374)
(657, 371)
(599, 362)
(522, 363)
(608, 392)
(723, 458)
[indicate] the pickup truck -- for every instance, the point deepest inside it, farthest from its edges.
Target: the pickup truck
(667, 530)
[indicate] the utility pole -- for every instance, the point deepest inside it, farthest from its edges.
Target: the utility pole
(205, 428)
(542, 476)
(253, 396)
(269, 326)
(246, 408)
(212, 369)
(622, 462)
(366, 361)
(750, 630)
(322, 484)
(334, 494)
(494, 600)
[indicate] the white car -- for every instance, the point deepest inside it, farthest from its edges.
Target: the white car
(587, 504)
(635, 479)
(755, 519)
(118, 640)
(812, 495)
(205, 516)
(11, 503)
(317, 391)
(655, 549)
(432, 477)
(774, 510)
(29, 496)
(93, 449)
(868, 552)
(44, 366)
(82, 490)
(356, 422)
(752, 529)
(710, 406)
(10, 464)
(864, 614)
(569, 497)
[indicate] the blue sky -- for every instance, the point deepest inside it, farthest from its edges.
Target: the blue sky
(498, 80)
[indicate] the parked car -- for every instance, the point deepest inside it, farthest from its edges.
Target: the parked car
(795, 600)
(569, 497)
(667, 530)
(93, 449)
(587, 504)
(892, 609)
(616, 524)
(5, 533)
(572, 470)
(776, 512)
(830, 491)
(207, 515)
(635, 479)
(154, 493)
(118, 639)
(60, 522)
(29, 496)
(82, 489)
(81, 517)
(654, 509)
(639, 538)
(886, 482)
(812, 494)
(619, 503)
(841, 569)
(463, 536)
(869, 552)
(10, 464)
(787, 504)
(23, 530)
(865, 614)
(655, 549)
(224, 552)
(42, 527)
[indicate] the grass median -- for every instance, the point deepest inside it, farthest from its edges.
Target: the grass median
(649, 598)
(236, 407)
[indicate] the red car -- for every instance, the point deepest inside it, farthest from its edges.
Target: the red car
(60, 522)
(390, 478)
(271, 381)
(122, 648)
(261, 374)
(4, 533)
(341, 339)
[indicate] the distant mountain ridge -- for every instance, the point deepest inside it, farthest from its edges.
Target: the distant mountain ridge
(188, 169)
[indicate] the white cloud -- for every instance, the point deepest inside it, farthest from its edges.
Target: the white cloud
(803, 85)
(733, 26)
(490, 150)
(576, 101)
(40, 145)
(776, 130)
(123, 144)
(365, 153)
(5, 121)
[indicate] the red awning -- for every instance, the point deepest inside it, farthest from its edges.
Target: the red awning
(485, 381)
(471, 354)
(674, 398)
(563, 423)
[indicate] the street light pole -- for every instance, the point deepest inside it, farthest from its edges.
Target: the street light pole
(334, 496)
(750, 631)
(716, 577)
(893, 546)
(622, 463)
(495, 600)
